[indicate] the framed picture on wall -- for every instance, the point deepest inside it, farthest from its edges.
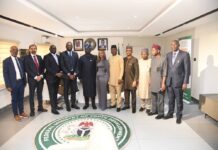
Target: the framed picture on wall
(102, 43)
(78, 44)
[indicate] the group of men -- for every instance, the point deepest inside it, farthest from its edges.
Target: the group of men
(172, 75)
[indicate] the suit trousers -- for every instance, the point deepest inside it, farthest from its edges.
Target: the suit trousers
(157, 102)
(115, 93)
(53, 91)
(127, 98)
(72, 85)
(175, 94)
(17, 96)
(38, 86)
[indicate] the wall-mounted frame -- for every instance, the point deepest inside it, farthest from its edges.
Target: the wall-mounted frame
(78, 44)
(102, 43)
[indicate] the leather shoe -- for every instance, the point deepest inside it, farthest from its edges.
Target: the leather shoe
(151, 113)
(159, 116)
(118, 109)
(68, 109)
(133, 110)
(141, 109)
(75, 106)
(94, 106)
(32, 114)
(59, 108)
(178, 120)
(125, 107)
(42, 110)
(113, 106)
(168, 116)
(55, 112)
(24, 115)
(17, 118)
(85, 107)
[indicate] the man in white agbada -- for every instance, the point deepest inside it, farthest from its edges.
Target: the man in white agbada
(144, 81)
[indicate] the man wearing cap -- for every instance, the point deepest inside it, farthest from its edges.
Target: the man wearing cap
(178, 72)
(115, 80)
(158, 79)
(87, 75)
(144, 81)
(130, 77)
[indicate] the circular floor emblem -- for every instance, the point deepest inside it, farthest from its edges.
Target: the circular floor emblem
(77, 129)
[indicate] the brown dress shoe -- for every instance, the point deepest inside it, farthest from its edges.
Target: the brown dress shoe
(24, 115)
(17, 118)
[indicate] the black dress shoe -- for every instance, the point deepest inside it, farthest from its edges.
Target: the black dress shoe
(55, 112)
(159, 116)
(75, 106)
(118, 109)
(94, 106)
(68, 109)
(141, 109)
(148, 111)
(178, 120)
(151, 113)
(168, 116)
(133, 110)
(32, 114)
(113, 106)
(85, 107)
(125, 107)
(59, 108)
(42, 110)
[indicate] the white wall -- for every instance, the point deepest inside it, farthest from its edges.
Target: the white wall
(204, 70)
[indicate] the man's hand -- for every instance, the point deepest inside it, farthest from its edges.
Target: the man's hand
(120, 81)
(163, 87)
(9, 89)
(72, 77)
(60, 74)
(39, 78)
(134, 84)
(184, 87)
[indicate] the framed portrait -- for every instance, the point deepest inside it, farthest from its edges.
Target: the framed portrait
(78, 44)
(102, 43)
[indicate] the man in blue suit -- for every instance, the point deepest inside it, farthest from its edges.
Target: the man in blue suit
(178, 72)
(15, 81)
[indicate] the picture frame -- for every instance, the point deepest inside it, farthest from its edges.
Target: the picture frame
(102, 44)
(78, 44)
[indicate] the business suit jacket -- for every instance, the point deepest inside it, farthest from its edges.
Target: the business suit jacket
(179, 72)
(131, 72)
(69, 64)
(51, 66)
(31, 69)
(9, 73)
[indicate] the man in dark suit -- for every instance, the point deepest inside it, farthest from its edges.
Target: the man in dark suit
(15, 82)
(69, 66)
(35, 72)
(53, 75)
(178, 72)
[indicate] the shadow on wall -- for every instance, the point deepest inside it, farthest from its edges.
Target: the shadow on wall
(209, 78)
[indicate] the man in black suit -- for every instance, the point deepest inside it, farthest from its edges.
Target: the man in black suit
(53, 75)
(15, 82)
(35, 72)
(178, 72)
(69, 66)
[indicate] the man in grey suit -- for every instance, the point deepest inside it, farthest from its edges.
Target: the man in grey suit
(178, 72)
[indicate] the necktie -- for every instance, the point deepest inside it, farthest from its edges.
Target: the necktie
(70, 53)
(19, 67)
(174, 57)
(36, 63)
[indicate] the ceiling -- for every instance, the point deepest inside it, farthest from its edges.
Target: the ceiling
(108, 17)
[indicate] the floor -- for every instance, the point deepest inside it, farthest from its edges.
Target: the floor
(195, 132)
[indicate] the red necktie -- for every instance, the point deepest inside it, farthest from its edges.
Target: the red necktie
(36, 62)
